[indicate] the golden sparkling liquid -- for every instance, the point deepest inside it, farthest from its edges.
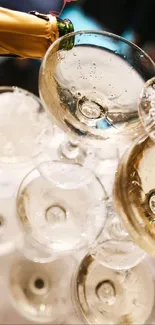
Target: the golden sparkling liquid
(134, 193)
(90, 92)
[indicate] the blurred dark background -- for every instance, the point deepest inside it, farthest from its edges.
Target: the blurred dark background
(132, 20)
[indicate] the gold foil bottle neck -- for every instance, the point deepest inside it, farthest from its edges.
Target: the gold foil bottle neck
(26, 35)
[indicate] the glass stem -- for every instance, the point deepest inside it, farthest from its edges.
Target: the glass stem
(70, 149)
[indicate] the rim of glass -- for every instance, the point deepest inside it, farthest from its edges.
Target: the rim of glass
(12, 89)
(25, 91)
(105, 197)
(100, 33)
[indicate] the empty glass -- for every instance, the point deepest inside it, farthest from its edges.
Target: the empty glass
(61, 207)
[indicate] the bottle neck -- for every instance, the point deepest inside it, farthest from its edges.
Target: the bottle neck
(65, 27)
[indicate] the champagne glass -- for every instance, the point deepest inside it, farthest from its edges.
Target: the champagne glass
(61, 207)
(104, 296)
(134, 193)
(24, 131)
(91, 90)
(40, 292)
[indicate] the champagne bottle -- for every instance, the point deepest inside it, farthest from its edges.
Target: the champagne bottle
(28, 35)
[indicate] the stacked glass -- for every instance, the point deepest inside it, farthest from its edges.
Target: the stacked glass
(66, 209)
